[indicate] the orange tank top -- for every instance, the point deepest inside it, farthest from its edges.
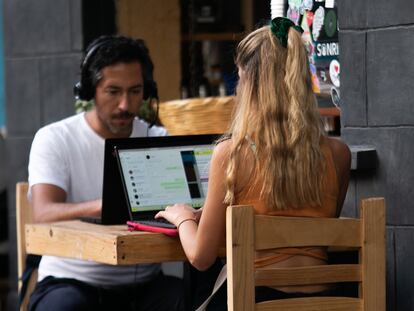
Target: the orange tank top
(330, 189)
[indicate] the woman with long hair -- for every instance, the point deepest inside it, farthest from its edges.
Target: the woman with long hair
(275, 156)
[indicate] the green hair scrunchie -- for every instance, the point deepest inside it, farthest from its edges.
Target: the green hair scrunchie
(280, 28)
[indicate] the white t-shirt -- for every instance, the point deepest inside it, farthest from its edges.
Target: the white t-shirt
(70, 154)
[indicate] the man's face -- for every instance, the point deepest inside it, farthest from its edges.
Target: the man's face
(118, 97)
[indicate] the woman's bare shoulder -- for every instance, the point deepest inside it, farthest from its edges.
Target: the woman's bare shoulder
(337, 146)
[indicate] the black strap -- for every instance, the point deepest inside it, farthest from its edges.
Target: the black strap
(32, 263)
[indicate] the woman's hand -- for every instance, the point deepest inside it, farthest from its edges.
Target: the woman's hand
(176, 213)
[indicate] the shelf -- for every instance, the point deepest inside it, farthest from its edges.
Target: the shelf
(363, 157)
(220, 36)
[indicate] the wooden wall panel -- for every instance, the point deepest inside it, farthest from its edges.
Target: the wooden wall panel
(158, 23)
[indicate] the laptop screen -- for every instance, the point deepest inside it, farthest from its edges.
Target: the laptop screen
(157, 177)
(161, 171)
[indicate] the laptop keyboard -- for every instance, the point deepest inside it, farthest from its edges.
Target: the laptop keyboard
(160, 222)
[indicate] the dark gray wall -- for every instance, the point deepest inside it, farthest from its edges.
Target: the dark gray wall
(3, 179)
(43, 48)
(377, 79)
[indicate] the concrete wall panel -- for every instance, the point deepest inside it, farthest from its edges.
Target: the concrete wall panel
(404, 258)
(353, 14)
(23, 97)
(18, 158)
(56, 87)
(76, 25)
(34, 27)
(384, 13)
(394, 177)
(353, 78)
(374, 13)
(390, 72)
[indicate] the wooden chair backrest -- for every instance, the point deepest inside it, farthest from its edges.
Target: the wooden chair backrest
(24, 215)
(247, 232)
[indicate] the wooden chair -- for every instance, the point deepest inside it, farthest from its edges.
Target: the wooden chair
(24, 215)
(247, 233)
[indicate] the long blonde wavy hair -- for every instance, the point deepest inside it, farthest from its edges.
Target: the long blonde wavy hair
(277, 111)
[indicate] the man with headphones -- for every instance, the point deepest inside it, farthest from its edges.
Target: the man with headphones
(65, 180)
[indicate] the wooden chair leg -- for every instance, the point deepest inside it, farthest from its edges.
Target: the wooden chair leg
(373, 255)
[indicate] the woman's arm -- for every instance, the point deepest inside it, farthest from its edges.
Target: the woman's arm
(201, 242)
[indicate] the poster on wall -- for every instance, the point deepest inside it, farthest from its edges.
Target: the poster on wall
(319, 20)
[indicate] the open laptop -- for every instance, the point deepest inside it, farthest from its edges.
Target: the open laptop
(115, 206)
(160, 171)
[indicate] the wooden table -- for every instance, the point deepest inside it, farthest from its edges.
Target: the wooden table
(113, 245)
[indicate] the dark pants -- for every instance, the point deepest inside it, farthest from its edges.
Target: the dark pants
(199, 285)
(161, 293)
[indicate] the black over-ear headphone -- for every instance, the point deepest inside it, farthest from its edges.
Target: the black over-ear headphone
(85, 88)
